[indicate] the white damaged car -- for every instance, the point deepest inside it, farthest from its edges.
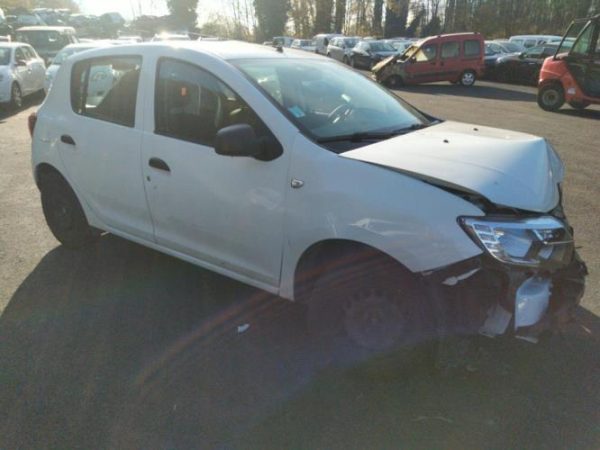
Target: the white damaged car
(289, 172)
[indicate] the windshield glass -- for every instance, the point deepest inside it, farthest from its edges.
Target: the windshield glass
(4, 56)
(350, 42)
(382, 47)
(43, 39)
(325, 100)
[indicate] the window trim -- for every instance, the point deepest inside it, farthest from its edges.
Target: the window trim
(85, 83)
(159, 63)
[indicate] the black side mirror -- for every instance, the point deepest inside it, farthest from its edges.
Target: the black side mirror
(241, 140)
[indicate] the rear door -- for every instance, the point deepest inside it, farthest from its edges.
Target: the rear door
(450, 67)
(100, 142)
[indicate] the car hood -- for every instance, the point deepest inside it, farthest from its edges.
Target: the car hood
(510, 169)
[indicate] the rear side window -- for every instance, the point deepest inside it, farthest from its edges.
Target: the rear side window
(193, 105)
(472, 48)
(450, 50)
(106, 88)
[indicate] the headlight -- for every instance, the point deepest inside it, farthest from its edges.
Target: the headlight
(535, 242)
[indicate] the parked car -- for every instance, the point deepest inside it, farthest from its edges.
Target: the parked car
(304, 44)
(322, 42)
(170, 37)
(21, 73)
(401, 45)
(346, 199)
(366, 54)
(130, 39)
(340, 48)
(523, 67)
(494, 51)
(533, 40)
(65, 53)
(282, 41)
(457, 58)
(47, 41)
(572, 75)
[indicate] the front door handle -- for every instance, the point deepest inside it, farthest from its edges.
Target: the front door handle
(159, 164)
(66, 139)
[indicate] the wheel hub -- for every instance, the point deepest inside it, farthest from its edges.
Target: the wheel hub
(373, 320)
(550, 97)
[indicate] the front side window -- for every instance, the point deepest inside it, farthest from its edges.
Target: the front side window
(4, 56)
(106, 88)
(326, 101)
(583, 44)
(450, 50)
(193, 105)
(20, 55)
(427, 53)
(472, 48)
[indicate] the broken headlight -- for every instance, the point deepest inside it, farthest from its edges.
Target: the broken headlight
(543, 242)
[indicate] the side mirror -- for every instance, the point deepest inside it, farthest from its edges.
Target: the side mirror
(241, 140)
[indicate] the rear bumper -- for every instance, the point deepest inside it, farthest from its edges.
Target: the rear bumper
(479, 296)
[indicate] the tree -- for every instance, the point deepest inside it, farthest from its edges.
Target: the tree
(272, 16)
(396, 13)
(183, 13)
(377, 17)
(340, 16)
(323, 18)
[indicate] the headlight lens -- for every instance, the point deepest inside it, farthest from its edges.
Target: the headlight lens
(534, 242)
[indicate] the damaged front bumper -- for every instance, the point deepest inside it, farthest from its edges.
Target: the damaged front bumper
(483, 296)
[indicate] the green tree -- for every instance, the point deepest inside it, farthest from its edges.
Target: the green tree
(183, 13)
(272, 16)
(324, 16)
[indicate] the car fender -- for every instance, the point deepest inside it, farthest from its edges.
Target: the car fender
(333, 197)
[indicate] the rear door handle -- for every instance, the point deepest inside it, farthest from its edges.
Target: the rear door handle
(66, 139)
(159, 164)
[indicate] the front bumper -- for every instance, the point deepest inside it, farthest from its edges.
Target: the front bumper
(482, 296)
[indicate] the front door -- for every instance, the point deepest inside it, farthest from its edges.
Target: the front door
(423, 66)
(100, 142)
(225, 211)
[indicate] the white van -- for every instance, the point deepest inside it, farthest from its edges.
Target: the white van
(322, 42)
(534, 40)
(304, 178)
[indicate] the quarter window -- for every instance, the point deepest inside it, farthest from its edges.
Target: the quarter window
(193, 105)
(472, 48)
(106, 88)
(450, 50)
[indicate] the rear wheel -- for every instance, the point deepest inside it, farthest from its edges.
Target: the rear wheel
(364, 307)
(551, 97)
(394, 81)
(468, 78)
(64, 214)
(16, 97)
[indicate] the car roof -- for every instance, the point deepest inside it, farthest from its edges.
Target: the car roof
(226, 50)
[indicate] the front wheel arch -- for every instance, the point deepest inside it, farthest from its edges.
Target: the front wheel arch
(322, 255)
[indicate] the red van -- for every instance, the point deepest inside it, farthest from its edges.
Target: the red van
(457, 58)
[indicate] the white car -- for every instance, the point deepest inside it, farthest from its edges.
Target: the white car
(292, 173)
(21, 73)
(304, 44)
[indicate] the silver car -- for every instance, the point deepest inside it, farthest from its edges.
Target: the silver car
(340, 47)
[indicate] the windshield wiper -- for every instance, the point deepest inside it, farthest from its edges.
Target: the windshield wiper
(372, 136)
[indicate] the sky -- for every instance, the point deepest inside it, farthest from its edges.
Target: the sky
(150, 7)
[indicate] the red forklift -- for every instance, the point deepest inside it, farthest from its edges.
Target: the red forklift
(572, 75)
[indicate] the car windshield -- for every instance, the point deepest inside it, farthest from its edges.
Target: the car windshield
(4, 56)
(350, 42)
(43, 39)
(382, 47)
(325, 100)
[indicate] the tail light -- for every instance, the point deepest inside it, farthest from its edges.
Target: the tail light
(31, 121)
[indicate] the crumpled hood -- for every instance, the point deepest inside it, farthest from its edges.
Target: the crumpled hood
(508, 168)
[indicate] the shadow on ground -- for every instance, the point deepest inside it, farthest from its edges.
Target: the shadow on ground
(122, 347)
(484, 91)
(33, 100)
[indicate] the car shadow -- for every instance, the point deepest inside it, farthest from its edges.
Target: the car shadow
(120, 346)
(483, 91)
(589, 113)
(33, 100)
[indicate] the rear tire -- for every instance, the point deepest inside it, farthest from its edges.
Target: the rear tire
(16, 97)
(366, 308)
(64, 214)
(394, 82)
(468, 78)
(551, 97)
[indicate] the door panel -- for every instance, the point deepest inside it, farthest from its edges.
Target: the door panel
(226, 211)
(425, 67)
(103, 158)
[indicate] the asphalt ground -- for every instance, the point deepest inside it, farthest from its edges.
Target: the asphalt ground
(122, 347)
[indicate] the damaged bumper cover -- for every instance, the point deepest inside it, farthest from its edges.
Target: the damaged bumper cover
(483, 296)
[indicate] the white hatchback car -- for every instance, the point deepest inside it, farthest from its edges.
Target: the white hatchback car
(294, 174)
(21, 73)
